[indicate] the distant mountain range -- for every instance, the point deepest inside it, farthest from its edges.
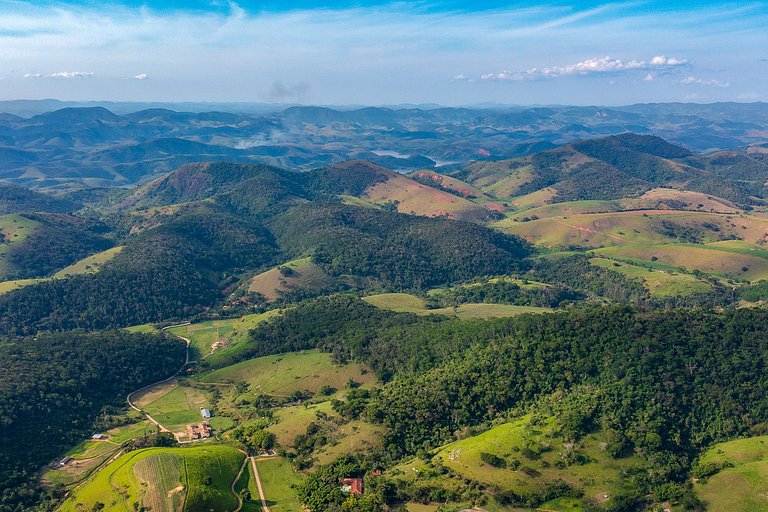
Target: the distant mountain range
(79, 147)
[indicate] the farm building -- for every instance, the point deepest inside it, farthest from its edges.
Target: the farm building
(352, 485)
(202, 431)
(98, 437)
(205, 413)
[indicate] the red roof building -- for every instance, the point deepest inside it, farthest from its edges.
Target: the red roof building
(352, 485)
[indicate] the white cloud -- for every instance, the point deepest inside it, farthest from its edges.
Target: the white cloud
(692, 80)
(72, 74)
(649, 77)
(460, 77)
(596, 66)
(33, 75)
(140, 76)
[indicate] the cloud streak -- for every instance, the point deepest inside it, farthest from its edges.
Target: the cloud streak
(398, 52)
(596, 66)
(692, 80)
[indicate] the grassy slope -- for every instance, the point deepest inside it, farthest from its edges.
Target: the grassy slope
(742, 488)
(286, 373)
(118, 487)
(234, 331)
(14, 229)
(599, 477)
(306, 276)
(178, 407)
(89, 265)
(293, 421)
(713, 259)
(660, 283)
(414, 198)
(279, 483)
(403, 302)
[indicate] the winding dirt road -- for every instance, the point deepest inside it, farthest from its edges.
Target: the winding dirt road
(139, 391)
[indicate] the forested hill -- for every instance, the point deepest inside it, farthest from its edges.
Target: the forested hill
(619, 166)
(189, 239)
(53, 389)
(662, 385)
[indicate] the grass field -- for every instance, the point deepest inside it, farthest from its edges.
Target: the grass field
(594, 230)
(414, 198)
(234, 332)
(286, 373)
(598, 477)
(113, 438)
(279, 483)
(9, 286)
(660, 283)
(143, 328)
(89, 265)
(400, 302)
(175, 406)
(303, 275)
(14, 229)
(743, 487)
(293, 421)
(351, 438)
(717, 259)
(199, 477)
(406, 303)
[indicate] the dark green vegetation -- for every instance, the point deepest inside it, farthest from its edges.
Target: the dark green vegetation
(240, 219)
(645, 381)
(55, 387)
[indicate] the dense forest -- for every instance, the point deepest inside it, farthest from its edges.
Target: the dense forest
(55, 386)
(662, 384)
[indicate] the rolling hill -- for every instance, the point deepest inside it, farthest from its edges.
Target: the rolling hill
(620, 166)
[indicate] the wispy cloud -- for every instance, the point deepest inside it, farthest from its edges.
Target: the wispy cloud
(692, 80)
(596, 66)
(389, 53)
(72, 74)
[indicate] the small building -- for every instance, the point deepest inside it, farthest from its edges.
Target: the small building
(352, 485)
(98, 437)
(63, 462)
(205, 413)
(202, 431)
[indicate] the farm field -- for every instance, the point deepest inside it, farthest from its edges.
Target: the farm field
(660, 283)
(113, 438)
(295, 275)
(285, 373)
(234, 332)
(743, 487)
(406, 303)
(174, 405)
(163, 478)
(720, 260)
(279, 483)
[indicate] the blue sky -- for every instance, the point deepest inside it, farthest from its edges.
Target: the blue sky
(365, 52)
